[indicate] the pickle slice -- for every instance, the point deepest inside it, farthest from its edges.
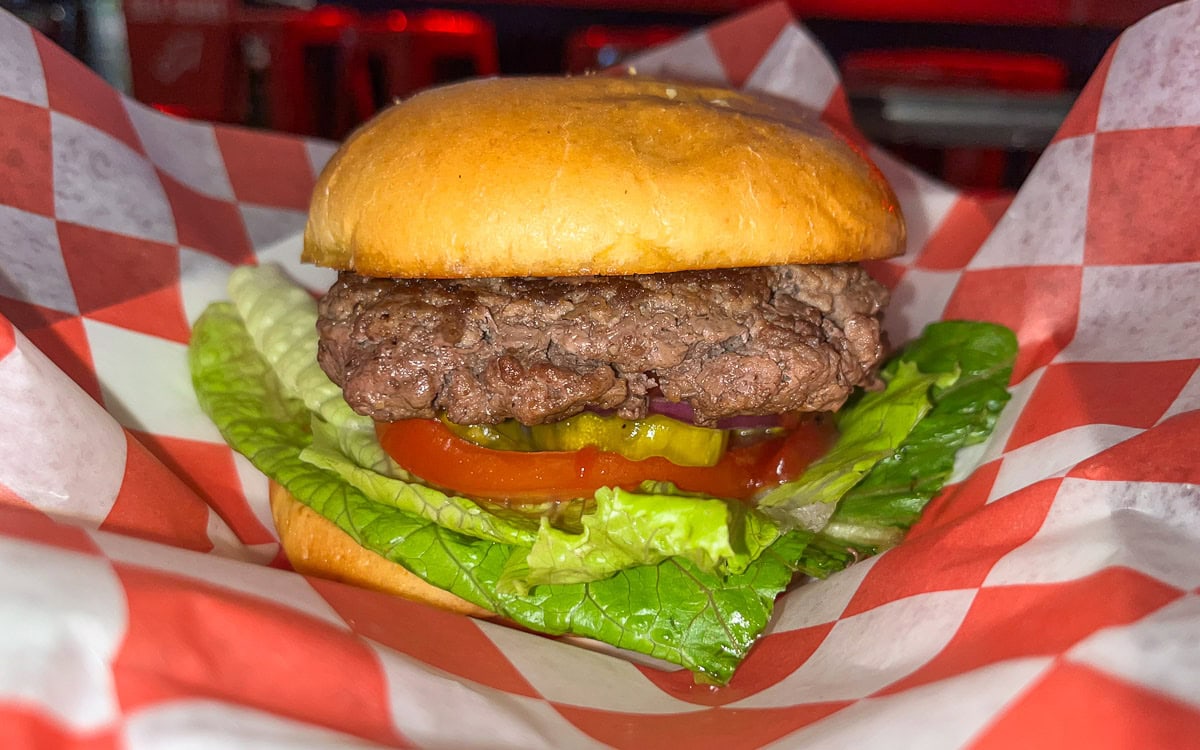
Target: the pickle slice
(509, 435)
(636, 439)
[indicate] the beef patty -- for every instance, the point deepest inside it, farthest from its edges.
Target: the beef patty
(748, 341)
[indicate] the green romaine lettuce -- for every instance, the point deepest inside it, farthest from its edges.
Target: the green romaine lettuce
(455, 513)
(281, 319)
(867, 434)
(875, 513)
(630, 529)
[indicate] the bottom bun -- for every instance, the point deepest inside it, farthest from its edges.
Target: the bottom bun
(315, 546)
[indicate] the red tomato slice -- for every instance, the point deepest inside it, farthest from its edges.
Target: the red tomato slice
(427, 449)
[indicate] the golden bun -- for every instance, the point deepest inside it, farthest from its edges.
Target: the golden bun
(315, 546)
(594, 175)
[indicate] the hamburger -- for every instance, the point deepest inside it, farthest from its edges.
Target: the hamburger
(585, 362)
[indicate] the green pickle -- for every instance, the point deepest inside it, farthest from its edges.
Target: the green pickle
(636, 439)
(509, 435)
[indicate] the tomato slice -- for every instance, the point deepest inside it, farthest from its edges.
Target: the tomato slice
(428, 449)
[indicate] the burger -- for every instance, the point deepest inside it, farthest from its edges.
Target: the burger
(600, 360)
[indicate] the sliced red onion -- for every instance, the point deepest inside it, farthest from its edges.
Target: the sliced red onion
(680, 410)
(683, 412)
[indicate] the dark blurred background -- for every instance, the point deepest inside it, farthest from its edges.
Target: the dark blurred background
(969, 90)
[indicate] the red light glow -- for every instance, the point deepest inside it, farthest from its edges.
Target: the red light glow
(329, 17)
(396, 20)
(178, 110)
(595, 37)
(449, 22)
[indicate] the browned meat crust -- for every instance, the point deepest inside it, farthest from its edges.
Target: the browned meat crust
(728, 342)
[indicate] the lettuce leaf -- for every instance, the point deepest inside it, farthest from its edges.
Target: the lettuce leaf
(868, 433)
(281, 319)
(629, 529)
(875, 514)
(455, 513)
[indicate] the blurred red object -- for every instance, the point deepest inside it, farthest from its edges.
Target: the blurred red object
(979, 169)
(598, 47)
(408, 52)
(948, 68)
(316, 72)
(303, 71)
(450, 45)
(387, 43)
(184, 56)
(322, 72)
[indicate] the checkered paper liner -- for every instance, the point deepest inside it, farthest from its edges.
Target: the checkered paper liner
(1048, 599)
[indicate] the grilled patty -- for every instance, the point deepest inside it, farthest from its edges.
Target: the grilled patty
(747, 341)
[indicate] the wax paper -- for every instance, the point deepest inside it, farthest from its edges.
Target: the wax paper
(1047, 598)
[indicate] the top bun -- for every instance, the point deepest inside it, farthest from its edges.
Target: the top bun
(594, 176)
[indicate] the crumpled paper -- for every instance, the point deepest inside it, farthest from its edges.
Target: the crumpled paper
(1047, 599)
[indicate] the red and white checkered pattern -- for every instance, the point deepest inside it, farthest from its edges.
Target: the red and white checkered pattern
(1049, 598)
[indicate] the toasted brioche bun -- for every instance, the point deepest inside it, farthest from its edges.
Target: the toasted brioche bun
(316, 546)
(594, 175)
